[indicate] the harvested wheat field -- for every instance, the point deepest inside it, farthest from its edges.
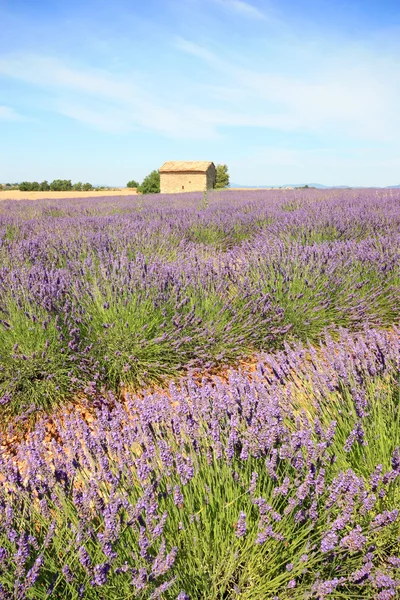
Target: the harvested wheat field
(18, 195)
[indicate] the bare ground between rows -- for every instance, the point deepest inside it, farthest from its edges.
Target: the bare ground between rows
(86, 407)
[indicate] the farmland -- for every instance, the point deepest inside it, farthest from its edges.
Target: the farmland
(199, 396)
(6, 194)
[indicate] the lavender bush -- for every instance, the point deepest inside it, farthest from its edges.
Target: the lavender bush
(279, 482)
(114, 294)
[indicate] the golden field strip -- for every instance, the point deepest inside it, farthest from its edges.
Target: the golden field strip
(18, 195)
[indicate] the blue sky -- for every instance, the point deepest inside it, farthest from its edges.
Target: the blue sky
(286, 91)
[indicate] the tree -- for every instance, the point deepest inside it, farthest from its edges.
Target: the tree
(44, 186)
(222, 177)
(150, 184)
(86, 187)
(77, 187)
(25, 186)
(132, 184)
(35, 187)
(61, 185)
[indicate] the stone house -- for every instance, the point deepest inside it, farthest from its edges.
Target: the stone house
(186, 176)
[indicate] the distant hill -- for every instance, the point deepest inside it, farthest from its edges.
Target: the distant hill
(284, 185)
(319, 186)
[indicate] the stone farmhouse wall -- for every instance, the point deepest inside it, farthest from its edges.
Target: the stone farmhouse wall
(173, 183)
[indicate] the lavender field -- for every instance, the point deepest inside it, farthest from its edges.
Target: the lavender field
(200, 396)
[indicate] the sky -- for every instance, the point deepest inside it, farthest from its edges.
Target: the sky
(282, 91)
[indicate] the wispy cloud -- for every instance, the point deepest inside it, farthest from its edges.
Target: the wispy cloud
(9, 114)
(349, 94)
(107, 101)
(244, 9)
(352, 94)
(198, 51)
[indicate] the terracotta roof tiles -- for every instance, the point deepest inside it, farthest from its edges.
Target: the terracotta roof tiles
(179, 166)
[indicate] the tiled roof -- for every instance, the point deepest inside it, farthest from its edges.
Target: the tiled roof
(179, 166)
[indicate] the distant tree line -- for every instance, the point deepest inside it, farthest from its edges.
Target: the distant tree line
(12, 186)
(151, 183)
(58, 185)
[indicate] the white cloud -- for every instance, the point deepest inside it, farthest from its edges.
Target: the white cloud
(9, 114)
(113, 103)
(196, 50)
(242, 8)
(352, 95)
(347, 94)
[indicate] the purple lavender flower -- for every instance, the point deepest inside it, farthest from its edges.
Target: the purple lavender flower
(395, 561)
(381, 580)
(253, 483)
(376, 478)
(66, 571)
(33, 573)
(325, 588)
(143, 543)
(178, 496)
(100, 574)
(84, 558)
(22, 554)
(329, 541)
(354, 541)
(241, 527)
(162, 588)
(385, 518)
(386, 595)
(304, 558)
(140, 578)
(363, 573)
(396, 459)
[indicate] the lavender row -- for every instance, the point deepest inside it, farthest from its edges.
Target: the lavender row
(278, 483)
(107, 294)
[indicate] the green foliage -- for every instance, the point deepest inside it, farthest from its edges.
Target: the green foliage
(25, 186)
(61, 185)
(38, 374)
(222, 177)
(150, 184)
(44, 186)
(132, 184)
(29, 186)
(58, 185)
(221, 238)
